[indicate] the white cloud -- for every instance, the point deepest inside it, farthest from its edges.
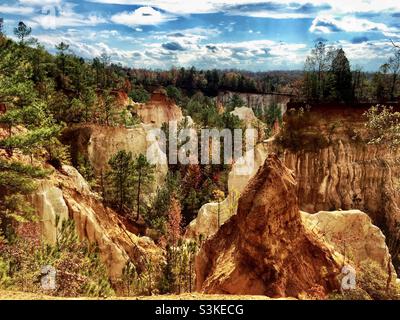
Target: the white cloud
(40, 3)
(141, 16)
(271, 14)
(86, 50)
(328, 24)
(186, 36)
(64, 16)
(370, 54)
(172, 6)
(16, 10)
(212, 6)
(255, 55)
(252, 55)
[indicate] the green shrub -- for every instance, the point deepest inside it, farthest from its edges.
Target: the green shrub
(139, 95)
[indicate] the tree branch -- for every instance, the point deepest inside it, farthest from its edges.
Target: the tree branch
(395, 45)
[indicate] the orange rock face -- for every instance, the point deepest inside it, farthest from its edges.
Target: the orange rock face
(265, 249)
(159, 109)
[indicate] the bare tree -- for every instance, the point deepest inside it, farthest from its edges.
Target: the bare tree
(318, 64)
(395, 45)
(394, 67)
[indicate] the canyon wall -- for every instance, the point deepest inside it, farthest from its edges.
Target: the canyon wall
(67, 195)
(99, 143)
(254, 100)
(352, 235)
(348, 173)
(342, 174)
(158, 110)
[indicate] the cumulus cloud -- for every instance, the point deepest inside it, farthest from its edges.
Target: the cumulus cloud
(320, 39)
(303, 7)
(368, 52)
(40, 3)
(185, 37)
(220, 44)
(255, 55)
(141, 16)
(329, 24)
(64, 15)
(176, 35)
(8, 9)
(275, 10)
(86, 50)
(173, 46)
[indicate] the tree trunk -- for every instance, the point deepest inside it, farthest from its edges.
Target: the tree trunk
(138, 194)
(393, 87)
(121, 195)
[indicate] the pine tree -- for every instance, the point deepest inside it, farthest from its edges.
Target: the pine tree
(235, 102)
(143, 176)
(23, 106)
(1, 27)
(120, 180)
(22, 31)
(219, 196)
(342, 75)
(16, 181)
(108, 105)
(158, 215)
(62, 49)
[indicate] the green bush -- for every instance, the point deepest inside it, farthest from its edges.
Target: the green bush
(175, 94)
(139, 95)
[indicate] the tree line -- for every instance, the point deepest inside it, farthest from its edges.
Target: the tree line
(328, 77)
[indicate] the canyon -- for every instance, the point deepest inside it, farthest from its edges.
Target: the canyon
(256, 244)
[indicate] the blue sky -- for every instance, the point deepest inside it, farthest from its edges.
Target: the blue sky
(243, 34)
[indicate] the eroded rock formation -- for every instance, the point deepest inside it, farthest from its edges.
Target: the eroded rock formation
(253, 100)
(247, 116)
(206, 222)
(49, 202)
(213, 215)
(99, 144)
(159, 109)
(264, 248)
(348, 173)
(68, 195)
(351, 235)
